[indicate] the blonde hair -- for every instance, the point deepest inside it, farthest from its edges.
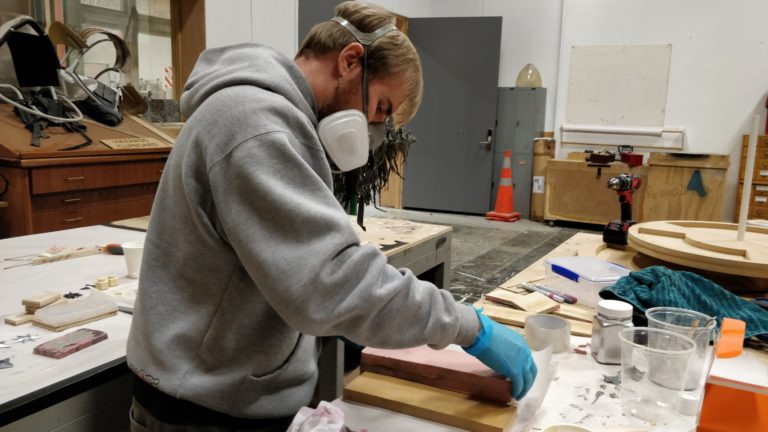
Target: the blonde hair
(391, 56)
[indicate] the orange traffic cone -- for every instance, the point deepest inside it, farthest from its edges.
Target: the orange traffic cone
(505, 201)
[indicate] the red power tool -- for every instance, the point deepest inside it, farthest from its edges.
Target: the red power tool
(615, 233)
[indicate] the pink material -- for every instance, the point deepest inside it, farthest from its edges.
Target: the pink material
(70, 343)
(447, 369)
(448, 359)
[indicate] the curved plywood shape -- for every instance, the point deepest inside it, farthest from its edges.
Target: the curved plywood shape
(704, 245)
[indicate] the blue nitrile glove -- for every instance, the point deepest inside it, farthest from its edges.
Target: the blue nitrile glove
(506, 352)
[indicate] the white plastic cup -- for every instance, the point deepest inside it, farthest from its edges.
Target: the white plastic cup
(133, 252)
(542, 331)
(654, 363)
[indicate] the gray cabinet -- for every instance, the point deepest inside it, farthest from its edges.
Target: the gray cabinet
(519, 119)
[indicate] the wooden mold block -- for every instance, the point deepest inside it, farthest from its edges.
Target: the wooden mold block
(447, 369)
(429, 403)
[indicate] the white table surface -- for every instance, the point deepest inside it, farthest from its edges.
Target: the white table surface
(567, 401)
(33, 375)
(571, 399)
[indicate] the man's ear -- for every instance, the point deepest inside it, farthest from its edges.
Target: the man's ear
(349, 58)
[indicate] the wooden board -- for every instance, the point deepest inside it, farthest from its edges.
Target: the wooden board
(73, 324)
(507, 315)
(40, 300)
(668, 197)
(15, 139)
(447, 369)
(533, 302)
(19, 319)
(704, 245)
(429, 403)
(577, 192)
(575, 312)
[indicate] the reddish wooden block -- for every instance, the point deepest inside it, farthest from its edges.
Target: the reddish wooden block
(447, 369)
(70, 343)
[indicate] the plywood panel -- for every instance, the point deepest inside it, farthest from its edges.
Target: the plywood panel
(577, 192)
(668, 197)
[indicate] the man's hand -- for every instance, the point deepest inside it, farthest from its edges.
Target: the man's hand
(506, 352)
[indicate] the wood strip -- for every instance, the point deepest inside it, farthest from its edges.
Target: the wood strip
(74, 324)
(40, 300)
(429, 403)
(575, 312)
(506, 315)
(446, 369)
(531, 302)
(19, 319)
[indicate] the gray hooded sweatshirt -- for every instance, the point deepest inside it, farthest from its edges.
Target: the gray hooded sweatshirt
(249, 256)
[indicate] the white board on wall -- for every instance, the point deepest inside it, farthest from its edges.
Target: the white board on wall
(618, 85)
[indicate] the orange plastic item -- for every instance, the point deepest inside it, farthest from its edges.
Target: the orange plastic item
(728, 409)
(505, 201)
(731, 342)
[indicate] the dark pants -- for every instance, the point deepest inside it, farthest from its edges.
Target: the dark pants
(155, 411)
(143, 421)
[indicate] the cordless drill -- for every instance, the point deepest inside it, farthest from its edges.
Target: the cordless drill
(615, 233)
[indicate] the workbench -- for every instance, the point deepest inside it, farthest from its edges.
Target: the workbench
(572, 395)
(47, 188)
(92, 387)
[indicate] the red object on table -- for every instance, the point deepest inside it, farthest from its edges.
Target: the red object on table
(70, 343)
(632, 159)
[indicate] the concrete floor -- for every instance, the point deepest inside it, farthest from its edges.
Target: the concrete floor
(486, 253)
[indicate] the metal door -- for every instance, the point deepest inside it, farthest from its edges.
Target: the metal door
(520, 119)
(450, 166)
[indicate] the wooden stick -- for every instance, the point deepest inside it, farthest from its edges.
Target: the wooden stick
(746, 190)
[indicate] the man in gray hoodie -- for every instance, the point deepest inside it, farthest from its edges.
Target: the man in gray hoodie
(249, 257)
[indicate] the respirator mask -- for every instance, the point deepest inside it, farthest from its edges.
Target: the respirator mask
(346, 135)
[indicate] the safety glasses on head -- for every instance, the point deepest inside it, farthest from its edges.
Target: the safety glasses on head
(346, 135)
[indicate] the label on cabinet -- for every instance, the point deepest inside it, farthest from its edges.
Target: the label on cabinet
(133, 143)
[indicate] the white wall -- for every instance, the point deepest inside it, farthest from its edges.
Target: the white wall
(718, 74)
(530, 30)
(719, 70)
(270, 22)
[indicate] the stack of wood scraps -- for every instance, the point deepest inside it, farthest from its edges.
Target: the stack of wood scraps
(512, 305)
(31, 305)
(76, 312)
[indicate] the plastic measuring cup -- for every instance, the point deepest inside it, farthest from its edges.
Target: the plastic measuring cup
(654, 363)
(695, 325)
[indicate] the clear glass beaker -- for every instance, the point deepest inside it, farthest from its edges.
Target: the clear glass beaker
(695, 325)
(654, 363)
